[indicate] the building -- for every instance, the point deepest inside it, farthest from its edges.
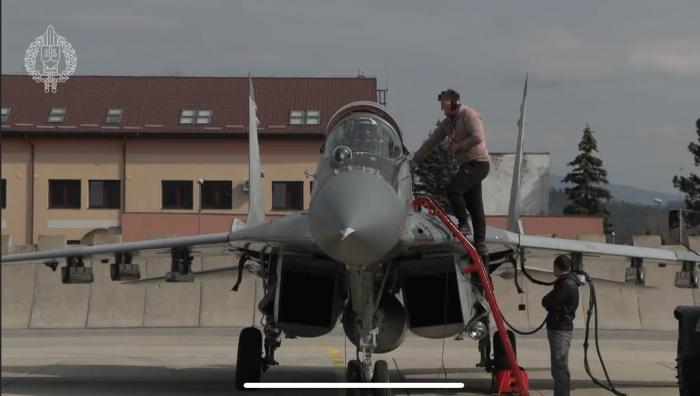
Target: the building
(149, 155)
(157, 155)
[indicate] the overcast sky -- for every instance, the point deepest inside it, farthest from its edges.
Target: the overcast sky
(629, 68)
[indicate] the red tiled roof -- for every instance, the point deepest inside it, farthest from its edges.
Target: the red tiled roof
(154, 103)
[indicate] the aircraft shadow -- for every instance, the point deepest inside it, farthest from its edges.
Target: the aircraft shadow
(67, 379)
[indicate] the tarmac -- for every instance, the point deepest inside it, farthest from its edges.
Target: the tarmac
(200, 361)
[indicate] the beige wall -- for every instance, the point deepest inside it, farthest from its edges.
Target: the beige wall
(93, 159)
(148, 162)
(151, 161)
(15, 170)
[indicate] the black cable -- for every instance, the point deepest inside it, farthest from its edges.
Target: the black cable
(592, 309)
(527, 275)
(515, 268)
(522, 332)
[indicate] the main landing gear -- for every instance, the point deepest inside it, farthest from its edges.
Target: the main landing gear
(249, 358)
(251, 362)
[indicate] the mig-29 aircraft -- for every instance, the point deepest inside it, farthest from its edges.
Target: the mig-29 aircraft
(361, 254)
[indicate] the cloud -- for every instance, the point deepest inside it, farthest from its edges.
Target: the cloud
(121, 22)
(555, 54)
(680, 57)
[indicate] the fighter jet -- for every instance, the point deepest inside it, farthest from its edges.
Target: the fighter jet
(361, 255)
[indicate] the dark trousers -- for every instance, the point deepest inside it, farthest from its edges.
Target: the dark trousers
(464, 193)
(559, 343)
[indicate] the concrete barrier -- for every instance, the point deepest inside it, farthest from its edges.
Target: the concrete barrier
(646, 240)
(694, 243)
(221, 306)
(618, 307)
(113, 304)
(57, 305)
(509, 299)
(592, 238)
(170, 304)
(617, 303)
(33, 296)
(17, 291)
(6, 242)
(657, 305)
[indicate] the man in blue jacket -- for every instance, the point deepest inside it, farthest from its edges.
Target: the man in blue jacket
(561, 304)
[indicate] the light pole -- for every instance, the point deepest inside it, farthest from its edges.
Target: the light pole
(658, 202)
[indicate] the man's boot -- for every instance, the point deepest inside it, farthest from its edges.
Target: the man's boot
(483, 252)
(465, 229)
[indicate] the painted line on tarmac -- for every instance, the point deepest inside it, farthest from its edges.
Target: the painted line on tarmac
(338, 365)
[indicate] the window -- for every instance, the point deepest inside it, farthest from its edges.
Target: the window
(105, 194)
(5, 113)
(216, 195)
(114, 116)
(204, 117)
(296, 117)
(313, 117)
(3, 195)
(186, 117)
(288, 195)
(177, 194)
(307, 117)
(364, 134)
(56, 114)
(64, 194)
(191, 116)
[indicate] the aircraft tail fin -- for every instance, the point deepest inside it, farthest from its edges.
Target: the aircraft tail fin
(256, 199)
(514, 223)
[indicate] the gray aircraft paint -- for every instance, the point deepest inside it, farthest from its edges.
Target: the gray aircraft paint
(256, 203)
(514, 204)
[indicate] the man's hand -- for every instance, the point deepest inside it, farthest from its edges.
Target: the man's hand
(413, 164)
(453, 147)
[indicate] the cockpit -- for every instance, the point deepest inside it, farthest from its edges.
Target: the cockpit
(365, 135)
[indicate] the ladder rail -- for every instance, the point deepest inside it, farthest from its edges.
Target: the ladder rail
(478, 267)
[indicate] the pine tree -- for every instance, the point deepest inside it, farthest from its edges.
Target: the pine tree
(588, 196)
(433, 175)
(690, 186)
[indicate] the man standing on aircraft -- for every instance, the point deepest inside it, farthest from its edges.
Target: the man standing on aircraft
(561, 304)
(464, 130)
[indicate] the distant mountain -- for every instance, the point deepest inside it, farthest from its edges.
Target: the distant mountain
(628, 219)
(625, 193)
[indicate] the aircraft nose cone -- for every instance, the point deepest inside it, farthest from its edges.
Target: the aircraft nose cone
(355, 218)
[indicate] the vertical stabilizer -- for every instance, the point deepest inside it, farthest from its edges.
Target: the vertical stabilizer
(256, 201)
(514, 224)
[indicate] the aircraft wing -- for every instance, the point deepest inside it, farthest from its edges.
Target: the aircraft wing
(517, 241)
(292, 230)
(206, 244)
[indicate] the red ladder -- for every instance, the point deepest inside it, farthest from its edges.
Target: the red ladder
(481, 270)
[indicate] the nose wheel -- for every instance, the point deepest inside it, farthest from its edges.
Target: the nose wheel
(354, 373)
(381, 375)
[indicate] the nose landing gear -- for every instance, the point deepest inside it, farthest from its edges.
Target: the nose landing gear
(355, 373)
